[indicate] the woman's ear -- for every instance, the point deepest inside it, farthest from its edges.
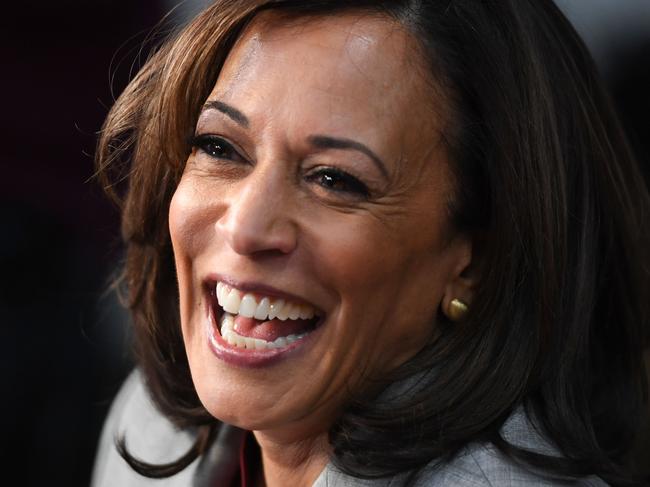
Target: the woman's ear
(463, 279)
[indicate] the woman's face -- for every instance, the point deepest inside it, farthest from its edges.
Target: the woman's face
(318, 178)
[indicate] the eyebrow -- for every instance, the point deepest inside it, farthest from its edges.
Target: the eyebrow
(228, 110)
(318, 141)
(328, 142)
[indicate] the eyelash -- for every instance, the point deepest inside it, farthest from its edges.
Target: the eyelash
(329, 178)
(205, 142)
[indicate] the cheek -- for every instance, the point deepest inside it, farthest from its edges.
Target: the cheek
(361, 256)
(371, 271)
(189, 224)
(190, 233)
(379, 275)
(177, 222)
(181, 244)
(351, 255)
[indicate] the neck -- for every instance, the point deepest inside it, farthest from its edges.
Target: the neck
(292, 462)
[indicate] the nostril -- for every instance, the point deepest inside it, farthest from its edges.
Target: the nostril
(246, 238)
(259, 218)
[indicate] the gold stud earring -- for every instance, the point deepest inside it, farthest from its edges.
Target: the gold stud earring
(457, 310)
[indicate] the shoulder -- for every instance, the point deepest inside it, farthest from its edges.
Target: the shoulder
(149, 436)
(478, 465)
(482, 464)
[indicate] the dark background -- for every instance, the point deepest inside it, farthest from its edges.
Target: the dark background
(63, 337)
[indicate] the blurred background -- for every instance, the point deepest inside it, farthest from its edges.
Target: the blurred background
(63, 337)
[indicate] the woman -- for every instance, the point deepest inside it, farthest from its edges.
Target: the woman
(397, 241)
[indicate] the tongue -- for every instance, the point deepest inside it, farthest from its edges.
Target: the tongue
(269, 330)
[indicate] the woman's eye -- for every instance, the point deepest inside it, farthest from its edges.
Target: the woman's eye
(216, 147)
(339, 181)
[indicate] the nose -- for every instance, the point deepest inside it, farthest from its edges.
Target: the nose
(258, 217)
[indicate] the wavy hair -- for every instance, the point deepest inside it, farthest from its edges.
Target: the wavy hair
(547, 186)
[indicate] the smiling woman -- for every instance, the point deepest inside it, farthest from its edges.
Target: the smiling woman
(404, 243)
(285, 203)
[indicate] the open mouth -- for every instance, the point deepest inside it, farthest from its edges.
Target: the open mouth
(253, 321)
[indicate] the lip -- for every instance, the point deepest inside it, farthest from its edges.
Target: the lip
(245, 357)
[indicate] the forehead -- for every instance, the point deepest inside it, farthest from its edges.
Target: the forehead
(348, 72)
(349, 48)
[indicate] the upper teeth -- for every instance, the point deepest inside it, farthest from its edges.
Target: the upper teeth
(235, 302)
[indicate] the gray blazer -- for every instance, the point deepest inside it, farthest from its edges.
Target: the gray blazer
(151, 437)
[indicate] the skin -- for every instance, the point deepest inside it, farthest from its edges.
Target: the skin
(380, 265)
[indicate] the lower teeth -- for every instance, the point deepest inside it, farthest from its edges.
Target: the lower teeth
(235, 339)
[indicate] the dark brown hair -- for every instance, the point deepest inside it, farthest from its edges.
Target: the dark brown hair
(546, 185)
